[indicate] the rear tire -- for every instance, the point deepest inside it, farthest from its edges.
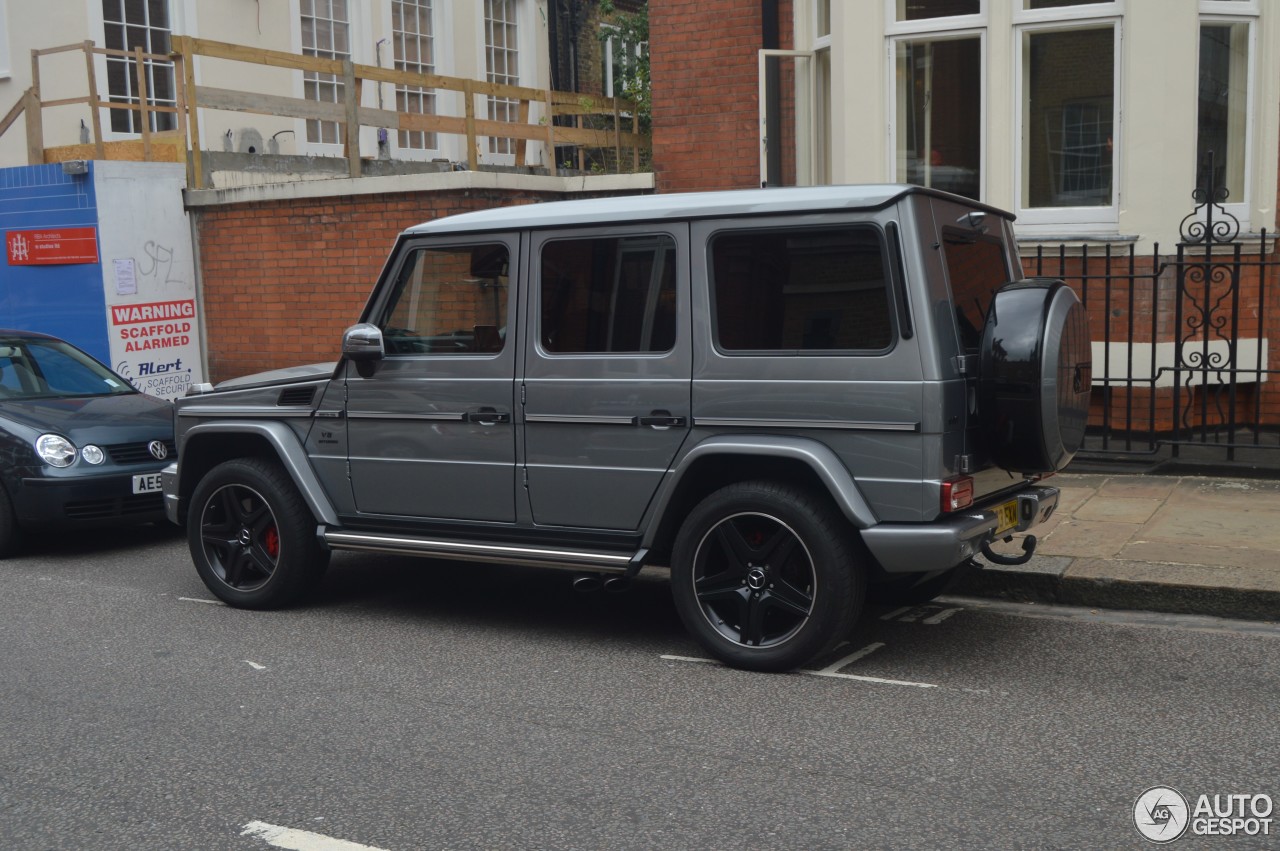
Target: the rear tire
(766, 575)
(252, 537)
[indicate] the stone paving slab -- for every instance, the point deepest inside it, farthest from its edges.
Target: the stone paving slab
(1187, 544)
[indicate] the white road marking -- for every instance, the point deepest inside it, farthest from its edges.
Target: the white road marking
(255, 665)
(300, 840)
(823, 673)
(198, 600)
(671, 658)
(895, 613)
(941, 616)
(871, 679)
(850, 659)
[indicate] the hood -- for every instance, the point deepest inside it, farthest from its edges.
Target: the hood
(97, 419)
(288, 375)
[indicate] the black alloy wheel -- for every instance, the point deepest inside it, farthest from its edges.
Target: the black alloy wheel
(241, 537)
(754, 580)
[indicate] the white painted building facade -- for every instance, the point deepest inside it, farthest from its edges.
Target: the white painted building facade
(502, 41)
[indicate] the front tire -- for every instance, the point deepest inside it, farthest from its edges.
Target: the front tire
(766, 576)
(252, 537)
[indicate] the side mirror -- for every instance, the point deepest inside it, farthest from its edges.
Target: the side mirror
(363, 342)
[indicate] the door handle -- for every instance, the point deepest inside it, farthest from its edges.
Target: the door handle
(661, 419)
(486, 416)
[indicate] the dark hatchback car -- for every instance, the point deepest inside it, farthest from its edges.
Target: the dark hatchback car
(78, 444)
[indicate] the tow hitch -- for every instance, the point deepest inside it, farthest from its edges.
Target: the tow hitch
(1028, 550)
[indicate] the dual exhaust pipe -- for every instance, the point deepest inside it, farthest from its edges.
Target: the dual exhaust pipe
(591, 582)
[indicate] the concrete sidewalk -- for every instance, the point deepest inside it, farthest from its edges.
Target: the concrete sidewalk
(1206, 546)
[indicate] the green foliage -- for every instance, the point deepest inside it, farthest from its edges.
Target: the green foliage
(632, 78)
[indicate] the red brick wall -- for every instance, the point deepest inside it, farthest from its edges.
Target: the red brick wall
(282, 279)
(702, 56)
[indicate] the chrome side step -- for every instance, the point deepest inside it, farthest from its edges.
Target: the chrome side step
(598, 561)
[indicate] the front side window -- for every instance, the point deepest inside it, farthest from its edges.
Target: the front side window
(938, 132)
(608, 295)
(131, 24)
(1068, 117)
(449, 301)
(1223, 106)
(326, 32)
(801, 291)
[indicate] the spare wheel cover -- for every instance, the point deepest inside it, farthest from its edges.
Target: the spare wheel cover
(1036, 374)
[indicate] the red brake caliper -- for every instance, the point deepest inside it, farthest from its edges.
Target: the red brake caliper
(271, 542)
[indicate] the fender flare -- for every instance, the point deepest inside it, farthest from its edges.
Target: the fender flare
(817, 456)
(289, 451)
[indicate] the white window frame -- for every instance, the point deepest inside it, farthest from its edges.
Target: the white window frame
(1212, 12)
(440, 98)
(806, 148)
(178, 12)
(526, 58)
(820, 124)
(1102, 219)
(6, 70)
(609, 54)
(932, 33)
(1061, 15)
(926, 26)
(359, 24)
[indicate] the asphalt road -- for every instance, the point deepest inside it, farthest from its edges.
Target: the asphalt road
(417, 705)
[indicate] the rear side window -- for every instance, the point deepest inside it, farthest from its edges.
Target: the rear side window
(976, 267)
(610, 295)
(801, 290)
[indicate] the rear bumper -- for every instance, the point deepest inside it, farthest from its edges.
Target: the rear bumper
(946, 542)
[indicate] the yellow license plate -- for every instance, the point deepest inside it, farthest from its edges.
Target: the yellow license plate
(1006, 516)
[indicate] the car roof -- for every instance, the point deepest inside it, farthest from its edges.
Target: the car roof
(30, 335)
(684, 205)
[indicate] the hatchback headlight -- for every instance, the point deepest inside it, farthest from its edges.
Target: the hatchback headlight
(92, 454)
(56, 450)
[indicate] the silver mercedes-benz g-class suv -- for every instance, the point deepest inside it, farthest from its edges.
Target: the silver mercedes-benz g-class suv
(787, 396)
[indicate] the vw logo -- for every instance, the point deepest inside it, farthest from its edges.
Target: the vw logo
(158, 450)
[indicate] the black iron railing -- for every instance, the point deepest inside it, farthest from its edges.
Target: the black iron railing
(1182, 353)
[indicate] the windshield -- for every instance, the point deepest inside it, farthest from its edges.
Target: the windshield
(43, 369)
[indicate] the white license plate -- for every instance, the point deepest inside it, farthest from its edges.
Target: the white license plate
(147, 483)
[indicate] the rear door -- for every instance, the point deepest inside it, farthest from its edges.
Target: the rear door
(607, 371)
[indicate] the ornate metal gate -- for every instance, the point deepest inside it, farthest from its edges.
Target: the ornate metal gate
(1183, 364)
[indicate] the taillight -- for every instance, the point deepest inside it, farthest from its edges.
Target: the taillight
(957, 493)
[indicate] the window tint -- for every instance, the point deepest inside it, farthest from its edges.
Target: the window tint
(608, 295)
(976, 268)
(449, 301)
(801, 290)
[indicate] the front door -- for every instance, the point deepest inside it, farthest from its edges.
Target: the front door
(430, 426)
(607, 370)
